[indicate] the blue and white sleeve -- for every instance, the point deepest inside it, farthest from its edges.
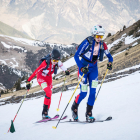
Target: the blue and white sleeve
(80, 50)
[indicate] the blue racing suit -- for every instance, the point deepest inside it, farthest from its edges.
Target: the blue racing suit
(92, 75)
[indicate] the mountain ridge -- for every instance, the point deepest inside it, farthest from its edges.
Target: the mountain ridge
(10, 31)
(68, 22)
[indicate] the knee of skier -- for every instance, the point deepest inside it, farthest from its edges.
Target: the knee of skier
(48, 92)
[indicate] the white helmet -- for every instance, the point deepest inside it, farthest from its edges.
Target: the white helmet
(97, 30)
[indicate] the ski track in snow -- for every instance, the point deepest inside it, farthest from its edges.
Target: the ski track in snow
(119, 99)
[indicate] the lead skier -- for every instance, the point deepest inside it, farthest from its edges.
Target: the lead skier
(44, 73)
(89, 58)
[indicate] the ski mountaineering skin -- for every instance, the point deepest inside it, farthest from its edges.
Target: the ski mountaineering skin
(48, 66)
(90, 50)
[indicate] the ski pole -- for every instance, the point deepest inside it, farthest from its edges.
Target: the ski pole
(54, 127)
(18, 111)
(61, 94)
(101, 84)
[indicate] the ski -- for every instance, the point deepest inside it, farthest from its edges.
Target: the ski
(61, 118)
(85, 122)
(52, 119)
(45, 120)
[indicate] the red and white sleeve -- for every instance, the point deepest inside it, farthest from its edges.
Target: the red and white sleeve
(42, 66)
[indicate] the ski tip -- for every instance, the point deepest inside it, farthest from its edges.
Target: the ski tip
(54, 127)
(57, 109)
(109, 118)
(65, 116)
(56, 115)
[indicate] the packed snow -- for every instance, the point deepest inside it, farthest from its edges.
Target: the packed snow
(130, 39)
(136, 43)
(14, 47)
(22, 40)
(119, 99)
(127, 39)
(116, 41)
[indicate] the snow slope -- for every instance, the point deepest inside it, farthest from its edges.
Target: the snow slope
(119, 98)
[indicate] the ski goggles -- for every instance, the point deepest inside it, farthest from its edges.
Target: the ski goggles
(99, 36)
(55, 60)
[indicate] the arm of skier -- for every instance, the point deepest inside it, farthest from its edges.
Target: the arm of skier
(42, 66)
(80, 50)
(110, 58)
(60, 64)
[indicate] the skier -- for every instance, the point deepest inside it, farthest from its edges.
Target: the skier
(88, 66)
(44, 77)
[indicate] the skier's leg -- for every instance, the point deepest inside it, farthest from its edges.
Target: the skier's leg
(46, 84)
(83, 88)
(80, 97)
(93, 82)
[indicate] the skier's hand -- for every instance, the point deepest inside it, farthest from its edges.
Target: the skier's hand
(109, 65)
(84, 70)
(67, 72)
(28, 85)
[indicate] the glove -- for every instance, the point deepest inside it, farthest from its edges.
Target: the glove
(67, 72)
(28, 85)
(109, 65)
(84, 70)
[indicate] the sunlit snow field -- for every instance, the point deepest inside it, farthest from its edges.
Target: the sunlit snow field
(119, 99)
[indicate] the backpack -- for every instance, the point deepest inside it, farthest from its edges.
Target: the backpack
(90, 40)
(47, 58)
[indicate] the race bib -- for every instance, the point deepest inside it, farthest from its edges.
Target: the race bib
(84, 88)
(44, 85)
(94, 84)
(88, 54)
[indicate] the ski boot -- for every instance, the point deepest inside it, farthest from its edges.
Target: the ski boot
(74, 110)
(89, 117)
(45, 112)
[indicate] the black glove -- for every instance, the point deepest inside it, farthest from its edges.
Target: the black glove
(84, 70)
(109, 65)
(67, 72)
(28, 85)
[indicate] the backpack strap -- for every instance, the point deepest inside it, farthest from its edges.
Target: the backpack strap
(102, 47)
(101, 56)
(47, 58)
(90, 41)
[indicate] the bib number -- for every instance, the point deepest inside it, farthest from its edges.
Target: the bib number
(94, 84)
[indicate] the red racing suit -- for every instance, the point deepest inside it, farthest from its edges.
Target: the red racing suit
(44, 79)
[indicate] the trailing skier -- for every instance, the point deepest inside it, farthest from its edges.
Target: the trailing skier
(90, 50)
(48, 66)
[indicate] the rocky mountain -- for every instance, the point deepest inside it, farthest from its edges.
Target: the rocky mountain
(124, 46)
(63, 21)
(9, 76)
(23, 55)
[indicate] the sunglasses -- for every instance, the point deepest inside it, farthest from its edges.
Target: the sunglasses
(55, 60)
(99, 36)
